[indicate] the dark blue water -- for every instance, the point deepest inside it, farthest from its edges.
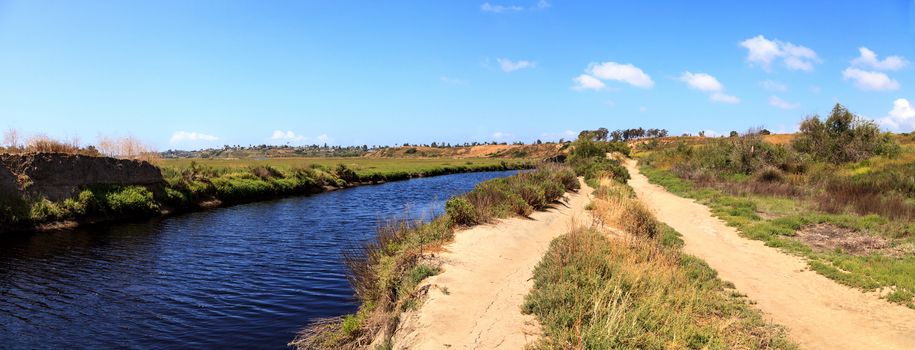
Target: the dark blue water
(244, 277)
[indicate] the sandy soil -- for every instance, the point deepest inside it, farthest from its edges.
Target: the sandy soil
(819, 313)
(476, 302)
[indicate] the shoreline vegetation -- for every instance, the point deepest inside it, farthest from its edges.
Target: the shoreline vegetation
(385, 272)
(192, 185)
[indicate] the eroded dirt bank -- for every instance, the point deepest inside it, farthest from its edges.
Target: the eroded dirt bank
(59, 176)
(475, 303)
(819, 313)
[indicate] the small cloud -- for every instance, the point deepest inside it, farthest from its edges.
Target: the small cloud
(868, 59)
(323, 138)
(816, 89)
(701, 82)
(625, 73)
(190, 136)
(870, 80)
(901, 117)
(587, 82)
(487, 7)
(724, 98)
(774, 86)
(778, 102)
(452, 81)
(494, 8)
(643, 109)
(292, 137)
(499, 135)
(281, 135)
(707, 83)
(762, 52)
(509, 66)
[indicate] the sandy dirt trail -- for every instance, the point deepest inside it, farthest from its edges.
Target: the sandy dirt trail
(819, 313)
(475, 303)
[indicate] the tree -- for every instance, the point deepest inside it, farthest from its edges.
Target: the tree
(843, 137)
(734, 134)
(11, 139)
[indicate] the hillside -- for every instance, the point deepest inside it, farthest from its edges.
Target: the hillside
(540, 151)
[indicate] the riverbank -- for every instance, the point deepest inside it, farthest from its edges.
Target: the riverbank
(385, 273)
(193, 186)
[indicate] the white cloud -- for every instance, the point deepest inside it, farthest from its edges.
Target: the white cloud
(902, 117)
(292, 137)
(724, 98)
(542, 4)
(587, 82)
(763, 52)
(701, 82)
(869, 80)
(711, 133)
(323, 138)
(286, 136)
(626, 73)
(452, 81)
(868, 59)
(780, 103)
(509, 66)
(487, 7)
(190, 136)
(707, 83)
(816, 89)
(500, 135)
(774, 86)
(643, 109)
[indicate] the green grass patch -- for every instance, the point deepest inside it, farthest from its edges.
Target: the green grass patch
(592, 292)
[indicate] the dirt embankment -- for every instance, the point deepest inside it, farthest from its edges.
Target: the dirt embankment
(60, 176)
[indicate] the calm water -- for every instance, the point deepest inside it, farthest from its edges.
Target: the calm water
(248, 276)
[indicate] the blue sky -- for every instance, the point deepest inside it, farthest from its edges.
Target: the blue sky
(189, 74)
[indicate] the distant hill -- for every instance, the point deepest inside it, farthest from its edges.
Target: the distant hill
(541, 151)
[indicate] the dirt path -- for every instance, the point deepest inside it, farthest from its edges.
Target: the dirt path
(819, 313)
(476, 302)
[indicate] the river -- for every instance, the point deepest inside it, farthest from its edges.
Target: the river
(243, 277)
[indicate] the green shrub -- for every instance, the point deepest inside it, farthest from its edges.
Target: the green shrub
(639, 221)
(843, 137)
(345, 173)
(131, 200)
(770, 174)
(45, 210)
(461, 211)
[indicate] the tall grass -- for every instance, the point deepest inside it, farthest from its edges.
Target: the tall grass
(385, 273)
(638, 292)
